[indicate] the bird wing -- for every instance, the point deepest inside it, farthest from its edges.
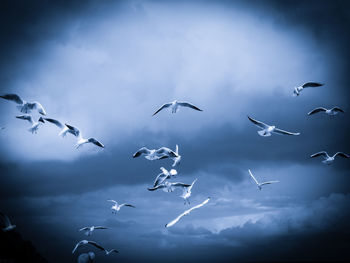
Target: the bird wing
(111, 200)
(316, 110)
(13, 97)
(166, 105)
(127, 205)
(341, 154)
(96, 142)
(160, 186)
(189, 105)
(256, 181)
(312, 84)
(96, 245)
(84, 228)
(56, 122)
(198, 206)
(76, 246)
(190, 188)
(258, 123)
(26, 117)
(167, 151)
(336, 108)
(179, 184)
(283, 132)
(323, 153)
(100, 227)
(160, 179)
(141, 151)
(269, 182)
(36, 105)
(173, 222)
(73, 130)
(112, 250)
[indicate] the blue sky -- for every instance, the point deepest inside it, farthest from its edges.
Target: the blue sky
(106, 67)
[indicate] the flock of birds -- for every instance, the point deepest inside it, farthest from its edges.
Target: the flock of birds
(163, 179)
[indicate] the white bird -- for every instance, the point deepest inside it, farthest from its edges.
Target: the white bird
(85, 242)
(89, 229)
(35, 124)
(80, 140)
(331, 112)
(177, 159)
(62, 126)
(329, 159)
(173, 222)
(111, 251)
(261, 184)
(174, 105)
(164, 175)
(187, 192)
(23, 106)
(115, 208)
(168, 186)
(86, 257)
(268, 129)
(6, 223)
(297, 90)
(158, 154)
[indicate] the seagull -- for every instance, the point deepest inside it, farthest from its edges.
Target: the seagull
(35, 124)
(187, 192)
(168, 187)
(175, 106)
(115, 208)
(164, 175)
(89, 229)
(86, 257)
(7, 225)
(62, 126)
(111, 251)
(24, 107)
(297, 90)
(84, 242)
(267, 129)
(261, 184)
(161, 153)
(331, 112)
(171, 223)
(81, 140)
(329, 159)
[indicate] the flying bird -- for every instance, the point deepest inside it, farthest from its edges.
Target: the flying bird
(329, 159)
(86, 257)
(115, 208)
(297, 90)
(261, 184)
(158, 154)
(331, 112)
(168, 186)
(111, 251)
(173, 222)
(187, 192)
(80, 140)
(164, 175)
(35, 124)
(85, 242)
(24, 106)
(174, 105)
(267, 129)
(89, 229)
(6, 223)
(62, 126)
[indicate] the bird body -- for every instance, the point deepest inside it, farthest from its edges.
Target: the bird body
(173, 222)
(24, 106)
(89, 229)
(267, 130)
(298, 89)
(116, 207)
(187, 191)
(329, 159)
(261, 184)
(174, 105)
(35, 124)
(331, 112)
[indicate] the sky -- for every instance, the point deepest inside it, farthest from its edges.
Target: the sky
(106, 67)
